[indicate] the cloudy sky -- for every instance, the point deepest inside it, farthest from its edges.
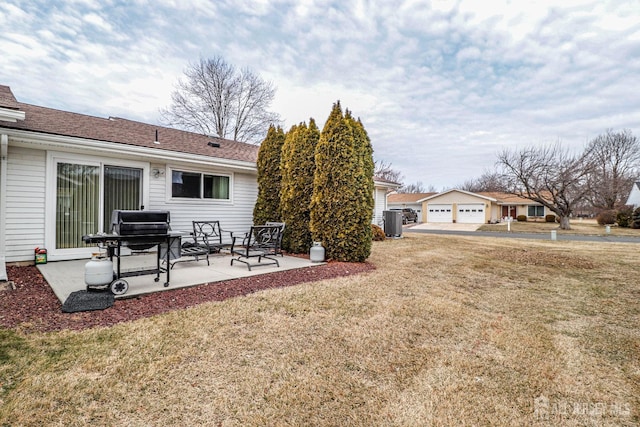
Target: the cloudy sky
(441, 86)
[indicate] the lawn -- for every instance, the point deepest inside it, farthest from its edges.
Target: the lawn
(447, 330)
(578, 226)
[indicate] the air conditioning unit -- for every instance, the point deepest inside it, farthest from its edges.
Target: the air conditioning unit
(392, 223)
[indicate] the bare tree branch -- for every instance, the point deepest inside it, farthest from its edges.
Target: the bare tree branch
(549, 175)
(215, 99)
(384, 170)
(616, 158)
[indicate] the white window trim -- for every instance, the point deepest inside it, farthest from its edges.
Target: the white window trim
(186, 200)
(54, 157)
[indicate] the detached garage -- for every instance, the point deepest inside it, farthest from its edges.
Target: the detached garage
(459, 206)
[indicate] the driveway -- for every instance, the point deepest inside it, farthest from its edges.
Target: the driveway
(442, 226)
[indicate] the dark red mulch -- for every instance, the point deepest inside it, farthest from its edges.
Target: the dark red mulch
(33, 306)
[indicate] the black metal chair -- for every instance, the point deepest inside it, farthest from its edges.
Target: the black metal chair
(278, 248)
(208, 234)
(260, 242)
(207, 239)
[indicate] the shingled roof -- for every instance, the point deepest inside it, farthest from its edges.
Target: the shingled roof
(122, 131)
(7, 100)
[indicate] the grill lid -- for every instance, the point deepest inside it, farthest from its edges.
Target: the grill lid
(127, 222)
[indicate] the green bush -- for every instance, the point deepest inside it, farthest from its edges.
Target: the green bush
(606, 217)
(635, 219)
(550, 218)
(521, 218)
(623, 217)
(297, 166)
(267, 207)
(342, 201)
(378, 233)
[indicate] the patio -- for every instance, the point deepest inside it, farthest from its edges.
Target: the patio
(66, 277)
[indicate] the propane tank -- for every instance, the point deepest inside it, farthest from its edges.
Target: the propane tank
(316, 253)
(98, 271)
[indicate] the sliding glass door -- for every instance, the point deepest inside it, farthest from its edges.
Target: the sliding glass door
(86, 194)
(122, 190)
(78, 200)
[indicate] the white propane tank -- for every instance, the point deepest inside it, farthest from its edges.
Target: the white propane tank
(98, 271)
(316, 253)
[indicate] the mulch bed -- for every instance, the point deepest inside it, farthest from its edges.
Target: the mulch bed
(32, 305)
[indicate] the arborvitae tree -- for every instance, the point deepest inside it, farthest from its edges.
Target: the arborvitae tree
(267, 206)
(342, 204)
(298, 166)
(365, 178)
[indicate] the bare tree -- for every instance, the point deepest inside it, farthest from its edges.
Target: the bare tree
(488, 181)
(385, 171)
(417, 187)
(216, 99)
(616, 161)
(549, 175)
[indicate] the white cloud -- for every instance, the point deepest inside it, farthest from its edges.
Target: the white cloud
(441, 86)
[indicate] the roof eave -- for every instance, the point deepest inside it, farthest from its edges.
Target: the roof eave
(104, 147)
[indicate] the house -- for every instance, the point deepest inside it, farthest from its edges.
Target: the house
(382, 194)
(408, 200)
(478, 208)
(62, 174)
(634, 195)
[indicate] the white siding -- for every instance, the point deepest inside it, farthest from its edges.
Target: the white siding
(380, 205)
(25, 202)
(234, 215)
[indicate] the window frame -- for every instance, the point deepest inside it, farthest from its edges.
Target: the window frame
(202, 174)
(535, 207)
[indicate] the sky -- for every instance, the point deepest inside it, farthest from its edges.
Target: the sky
(441, 86)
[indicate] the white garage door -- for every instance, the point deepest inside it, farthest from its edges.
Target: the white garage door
(472, 213)
(439, 213)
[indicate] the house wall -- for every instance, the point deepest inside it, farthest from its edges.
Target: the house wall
(380, 205)
(25, 210)
(26, 207)
(234, 215)
(634, 195)
(456, 198)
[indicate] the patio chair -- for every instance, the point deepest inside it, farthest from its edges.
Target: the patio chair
(208, 234)
(278, 247)
(260, 242)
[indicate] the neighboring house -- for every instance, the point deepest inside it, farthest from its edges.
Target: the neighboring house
(634, 195)
(408, 200)
(62, 174)
(478, 208)
(381, 197)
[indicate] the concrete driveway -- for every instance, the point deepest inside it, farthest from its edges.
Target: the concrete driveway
(443, 226)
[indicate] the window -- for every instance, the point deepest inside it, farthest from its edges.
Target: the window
(194, 185)
(536, 211)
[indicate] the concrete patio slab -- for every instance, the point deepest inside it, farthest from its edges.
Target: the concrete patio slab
(66, 277)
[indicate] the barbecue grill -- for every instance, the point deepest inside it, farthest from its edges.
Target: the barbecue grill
(137, 230)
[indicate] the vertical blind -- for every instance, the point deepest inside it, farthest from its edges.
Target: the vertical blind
(77, 203)
(122, 190)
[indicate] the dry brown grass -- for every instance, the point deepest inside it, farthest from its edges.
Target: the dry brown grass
(578, 226)
(447, 331)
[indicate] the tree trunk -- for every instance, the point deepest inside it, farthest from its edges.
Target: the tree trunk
(564, 223)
